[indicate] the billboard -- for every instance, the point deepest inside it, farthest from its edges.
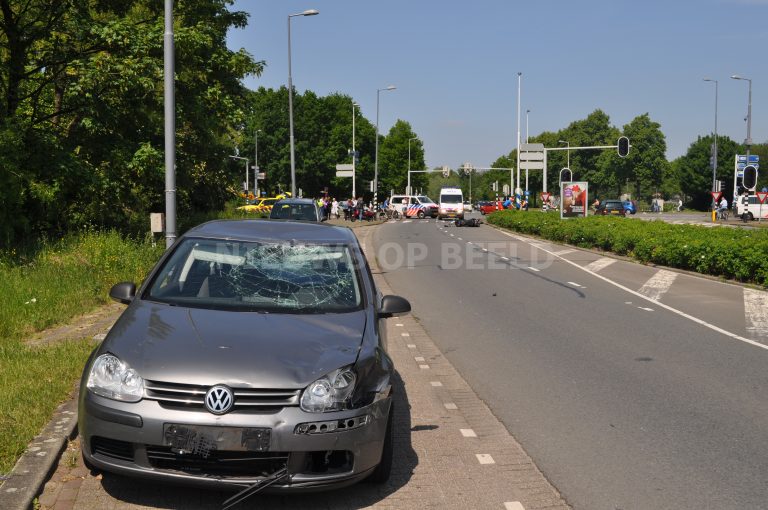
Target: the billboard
(573, 202)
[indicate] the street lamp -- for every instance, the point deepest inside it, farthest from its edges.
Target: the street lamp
(568, 164)
(408, 188)
(310, 12)
(714, 148)
(376, 157)
(354, 153)
(246, 175)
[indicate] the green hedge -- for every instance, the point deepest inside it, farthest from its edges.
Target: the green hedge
(733, 253)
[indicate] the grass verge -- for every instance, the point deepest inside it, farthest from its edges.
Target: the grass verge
(62, 280)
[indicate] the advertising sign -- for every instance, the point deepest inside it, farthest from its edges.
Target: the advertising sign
(574, 199)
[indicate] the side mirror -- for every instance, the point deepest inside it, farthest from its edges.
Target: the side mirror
(123, 292)
(393, 305)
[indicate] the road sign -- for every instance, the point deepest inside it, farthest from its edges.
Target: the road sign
(345, 173)
(545, 197)
(345, 167)
(762, 195)
(531, 156)
(531, 165)
(261, 175)
(716, 195)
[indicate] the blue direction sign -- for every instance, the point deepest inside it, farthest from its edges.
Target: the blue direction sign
(741, 162)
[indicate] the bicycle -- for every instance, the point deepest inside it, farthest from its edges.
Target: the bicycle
(722, 214)
(390, 214)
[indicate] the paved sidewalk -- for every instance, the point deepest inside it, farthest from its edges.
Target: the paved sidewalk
(450, 451)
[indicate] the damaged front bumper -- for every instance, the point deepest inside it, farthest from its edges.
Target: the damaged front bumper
(318, 450)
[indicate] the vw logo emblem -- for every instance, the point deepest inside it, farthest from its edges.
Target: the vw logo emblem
(219, 400)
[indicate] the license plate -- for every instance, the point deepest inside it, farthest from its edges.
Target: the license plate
(202, 439)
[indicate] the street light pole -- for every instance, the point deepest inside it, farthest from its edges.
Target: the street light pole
(748, 141)
(310, 12)
(568, 152)
(526, 125)
(519, 83)
(408, 188)
(354, 154)
(169, 100)
(714, 150)
(376, 156)
(256, 163)
(246, 175)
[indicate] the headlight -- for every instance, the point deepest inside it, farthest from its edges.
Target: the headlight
(114, 379)
(330, 392)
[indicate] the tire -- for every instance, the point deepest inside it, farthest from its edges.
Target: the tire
(747, 216)
(420, 215)
(381, 473)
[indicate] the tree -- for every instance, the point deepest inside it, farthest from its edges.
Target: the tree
(695, 173)
(646, 165)
(393, 159)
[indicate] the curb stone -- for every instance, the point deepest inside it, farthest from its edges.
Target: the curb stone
(26, 480)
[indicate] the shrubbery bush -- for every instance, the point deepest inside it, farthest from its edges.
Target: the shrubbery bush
(732, 253)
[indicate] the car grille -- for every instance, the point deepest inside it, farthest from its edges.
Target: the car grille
(189, 396)
(218, 463)
(112, 448)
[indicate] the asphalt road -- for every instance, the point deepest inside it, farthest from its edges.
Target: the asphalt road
(623, 402)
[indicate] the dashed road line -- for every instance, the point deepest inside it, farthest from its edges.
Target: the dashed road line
(536, 269)
(424, 367)
(576, 285)
(600, 264)
(657, 303)
(513, 505)
(419, 358)
(436, 384)
(485, 458)
(450, 406)
(405, 334)
(468, 433)
(756, 313)
(411, 346)
(658, 284)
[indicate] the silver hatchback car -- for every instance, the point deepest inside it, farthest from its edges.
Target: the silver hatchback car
(253, 355)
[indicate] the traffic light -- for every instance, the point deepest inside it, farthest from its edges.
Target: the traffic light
(623, 146)
(750, 177)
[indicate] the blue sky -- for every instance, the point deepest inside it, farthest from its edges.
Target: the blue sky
(455, 65)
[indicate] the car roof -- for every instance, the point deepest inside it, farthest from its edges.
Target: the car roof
(261, 230)
(297, 201)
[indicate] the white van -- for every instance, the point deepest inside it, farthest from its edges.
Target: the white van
(748, 208)
(451, 203)
(418, 206)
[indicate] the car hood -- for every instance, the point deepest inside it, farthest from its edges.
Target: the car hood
(206, 347)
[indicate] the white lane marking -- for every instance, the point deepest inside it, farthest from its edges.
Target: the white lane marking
(600, 264)
(452, 235)
(646, 309)
(657, 303)
(424, 367)
(436, 384)
(468, 433)
(405, 334)
(562, 252)
(534, 268)
(756, 312)
(484, 458)
(399, 325)
(513, 505)
(658, 284)
(407, 221)
(504, 258)
(451, 406)
(459, 238)
(575, 284)
(411, 346)
(419, 358)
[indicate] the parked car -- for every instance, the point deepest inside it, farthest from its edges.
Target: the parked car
(612, 207)
(419, 206)
(259, 205)
(488, 207)
(254, 349)
(631, 206)
(303, 209)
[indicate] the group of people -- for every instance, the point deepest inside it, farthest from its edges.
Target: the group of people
(512, 202)
(351, 209)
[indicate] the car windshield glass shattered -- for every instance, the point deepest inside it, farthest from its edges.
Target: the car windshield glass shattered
(258, 276)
